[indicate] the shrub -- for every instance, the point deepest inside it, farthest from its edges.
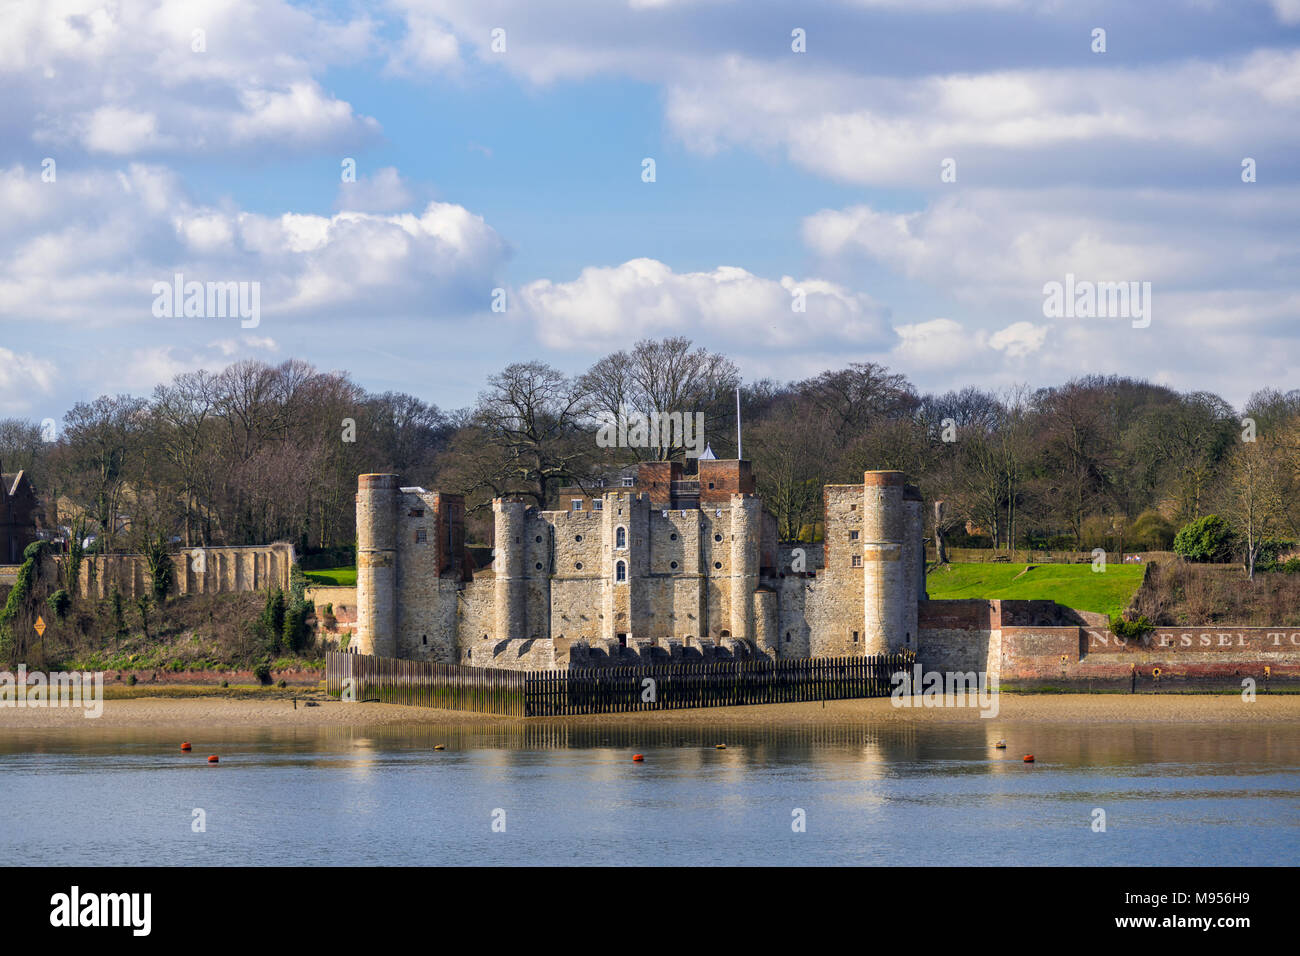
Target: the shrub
(1131, 630)
(295, 627)
(1266, 559)
(131, 679)
(1292, 565)
(1152, 531)
(119, 617)
(162, 572)
(59, 602)
(271, 623)
(1205, 539)
(262, 672)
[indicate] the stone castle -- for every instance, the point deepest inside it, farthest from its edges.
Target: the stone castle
(669, 567)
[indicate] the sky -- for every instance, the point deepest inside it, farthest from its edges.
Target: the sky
(897, 181)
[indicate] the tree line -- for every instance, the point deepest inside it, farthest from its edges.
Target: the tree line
(258, 452)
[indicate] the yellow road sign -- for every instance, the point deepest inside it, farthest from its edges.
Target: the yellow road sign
(40, 626)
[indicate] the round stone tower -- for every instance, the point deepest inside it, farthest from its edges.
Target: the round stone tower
(377, 564)
(885, 571)
(746, 549)
(508, 565)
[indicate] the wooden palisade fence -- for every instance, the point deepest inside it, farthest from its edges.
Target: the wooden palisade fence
(607, 690)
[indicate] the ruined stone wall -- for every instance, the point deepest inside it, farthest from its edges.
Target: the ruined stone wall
(198, 571)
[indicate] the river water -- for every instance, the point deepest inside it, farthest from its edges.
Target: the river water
(560, 794)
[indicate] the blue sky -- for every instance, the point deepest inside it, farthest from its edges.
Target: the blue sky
(777, 173)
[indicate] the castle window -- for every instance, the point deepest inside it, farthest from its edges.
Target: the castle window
(620, 537)
(576, 503)
(710, 484)
(415, 513)
(673, 565)
(421, 535)
(853, 536)
(578, 565)
(629, 482)
(857, 560)
(717, 565)
(424, 638)
(539, 539)
(539, 565)
(787, 637)
(717, 537)
(673, 536)
(853, 507)
(620, 571)
(597, 505)
(855, 637)
(577, 537)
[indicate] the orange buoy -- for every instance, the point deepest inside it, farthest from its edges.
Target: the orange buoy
(638, 758)
(439, 747)
(1000, 745)
(720, 747)
(213, 759)
(186, 746)
(1029, 758)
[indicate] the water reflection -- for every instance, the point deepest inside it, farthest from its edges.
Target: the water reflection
(914, 793)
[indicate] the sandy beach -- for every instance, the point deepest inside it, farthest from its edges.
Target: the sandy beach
(181, 713)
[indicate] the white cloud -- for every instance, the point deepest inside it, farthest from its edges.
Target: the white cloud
(609, 306)
(1288, 11)
(87, 249)
(993, 246)
(1003, 126)
(24, 380)
(125, 79)
(383, 192)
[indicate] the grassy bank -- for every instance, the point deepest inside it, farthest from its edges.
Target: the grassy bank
(195, 633)
(1074, 585)
(333, 577)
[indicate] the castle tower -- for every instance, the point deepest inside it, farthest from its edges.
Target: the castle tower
(885, 571)
(746, 549)
(623, 602)
(508, 565)
(377, 564)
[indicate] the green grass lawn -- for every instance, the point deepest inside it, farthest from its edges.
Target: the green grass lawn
(1074, 585)
(333, 577)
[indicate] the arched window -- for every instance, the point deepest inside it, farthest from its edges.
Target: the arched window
(620, 571)
(620, 538)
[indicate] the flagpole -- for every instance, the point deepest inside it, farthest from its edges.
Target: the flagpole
(739, 454)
